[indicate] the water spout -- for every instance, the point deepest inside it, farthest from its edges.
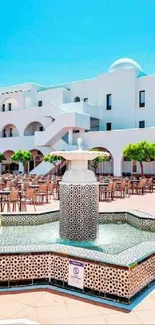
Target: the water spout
(79, 142)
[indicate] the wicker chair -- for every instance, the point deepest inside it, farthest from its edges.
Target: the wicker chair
(43, 192)
(13, 199)
(106, 192)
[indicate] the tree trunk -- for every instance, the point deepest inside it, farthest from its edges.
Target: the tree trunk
(141, 168)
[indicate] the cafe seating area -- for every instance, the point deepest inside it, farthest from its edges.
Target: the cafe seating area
(111, 188)
(18, 192)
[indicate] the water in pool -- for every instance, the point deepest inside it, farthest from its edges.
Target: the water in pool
(112, 237)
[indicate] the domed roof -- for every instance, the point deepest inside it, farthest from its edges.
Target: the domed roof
(126, 63)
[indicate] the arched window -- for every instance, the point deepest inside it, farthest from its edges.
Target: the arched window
(77, 99)
(32, 128)
(9, 131)
(9, 104)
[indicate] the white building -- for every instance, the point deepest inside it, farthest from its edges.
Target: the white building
(110, 111)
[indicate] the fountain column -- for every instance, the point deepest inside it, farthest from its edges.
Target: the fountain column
(79, 207)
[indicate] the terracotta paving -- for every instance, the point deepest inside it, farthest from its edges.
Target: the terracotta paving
(48, 308)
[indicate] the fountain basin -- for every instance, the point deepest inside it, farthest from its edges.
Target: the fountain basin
(117, 272)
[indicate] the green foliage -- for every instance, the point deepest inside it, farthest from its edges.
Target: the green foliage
(141, 151)
(53, 159)
(94, 163)
(2, 157)
(22, 156)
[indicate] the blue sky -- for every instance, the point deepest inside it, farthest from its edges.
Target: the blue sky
(55, 41)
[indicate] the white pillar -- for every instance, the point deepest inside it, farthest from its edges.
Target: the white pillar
(117, 161)
(70, 136)
(21, 168)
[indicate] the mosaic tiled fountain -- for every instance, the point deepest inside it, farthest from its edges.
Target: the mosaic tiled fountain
(108, 254)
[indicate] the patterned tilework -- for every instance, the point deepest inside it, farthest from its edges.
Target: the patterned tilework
(141, 223)
(105, 217)
(29, 219)
(141, 275)
(79, 211)
(107, 279)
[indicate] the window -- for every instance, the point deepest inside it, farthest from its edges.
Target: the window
(10, 132)
(77, 99)
(40, 103)
(94, 124)
(85, 100)
(9, 106)
(141, 124)
(142, 98)
(4, 133)
(109, 103)
(108, 126)
(3, 108)
(41, 128)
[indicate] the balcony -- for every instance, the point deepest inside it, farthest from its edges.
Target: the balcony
(81, 107)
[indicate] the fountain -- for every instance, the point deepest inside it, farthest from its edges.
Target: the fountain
(79, 196)
(108, 254)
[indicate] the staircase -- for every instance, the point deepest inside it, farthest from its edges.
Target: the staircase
(60, 126)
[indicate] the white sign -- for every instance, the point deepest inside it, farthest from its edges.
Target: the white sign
(76, 274)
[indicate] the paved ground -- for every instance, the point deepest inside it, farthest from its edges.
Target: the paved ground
(47, 308)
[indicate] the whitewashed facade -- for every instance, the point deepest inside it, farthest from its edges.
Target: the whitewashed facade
(109, 111)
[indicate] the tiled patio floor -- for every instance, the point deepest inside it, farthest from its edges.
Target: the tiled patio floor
(48, 308)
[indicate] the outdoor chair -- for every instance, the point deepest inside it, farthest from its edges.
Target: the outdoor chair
(43, 193)
(28, 198)
(140, 187)
(149, 185)
(121, 189)
(106, 192)
(12, 199)
(51, 190)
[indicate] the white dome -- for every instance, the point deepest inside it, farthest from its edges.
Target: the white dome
(126, 63)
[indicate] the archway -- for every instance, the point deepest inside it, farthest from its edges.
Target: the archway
(9, 166)
(103, 168)
(9, 104)
(32, 128)
(37, 158)
(9, 131)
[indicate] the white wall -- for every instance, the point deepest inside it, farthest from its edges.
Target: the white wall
(121, 84)
(146, 113)
(83, 89)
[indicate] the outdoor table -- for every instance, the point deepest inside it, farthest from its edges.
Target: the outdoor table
(34, 186)
(1, 194)
(134, 180)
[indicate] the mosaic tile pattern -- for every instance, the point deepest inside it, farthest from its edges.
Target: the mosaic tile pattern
(78, 211)
(141, 223)
(29, 219)
(106, 217)
(107, 279)
(141, 275)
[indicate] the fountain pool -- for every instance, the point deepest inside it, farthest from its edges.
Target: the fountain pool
(113, 238)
